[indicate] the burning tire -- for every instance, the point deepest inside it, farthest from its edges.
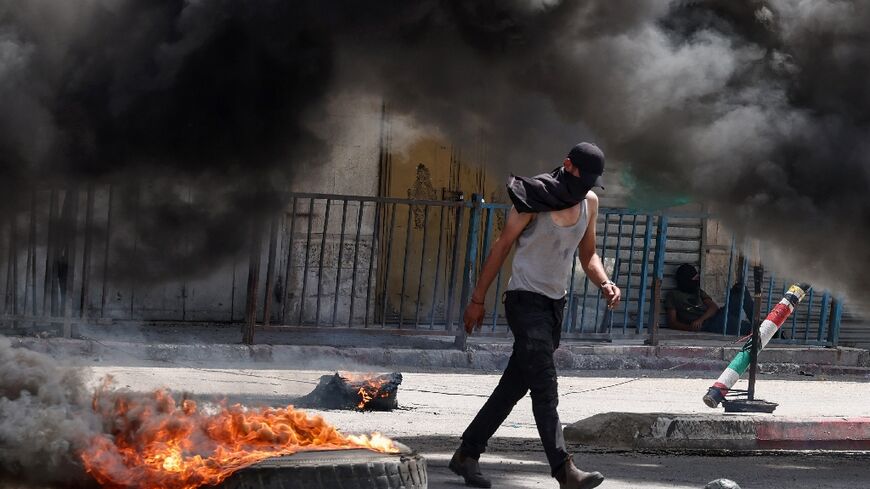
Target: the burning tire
(357, 468)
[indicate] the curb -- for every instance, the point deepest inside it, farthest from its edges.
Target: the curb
(482, 357)
(662, 431)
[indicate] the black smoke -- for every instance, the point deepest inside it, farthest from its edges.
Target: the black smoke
(756, 107)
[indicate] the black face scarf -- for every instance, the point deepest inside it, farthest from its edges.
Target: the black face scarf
(686, 279)
(547, 192)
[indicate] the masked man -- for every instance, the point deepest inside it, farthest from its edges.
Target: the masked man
(552, 215)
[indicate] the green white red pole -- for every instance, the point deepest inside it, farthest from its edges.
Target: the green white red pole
(768, 328)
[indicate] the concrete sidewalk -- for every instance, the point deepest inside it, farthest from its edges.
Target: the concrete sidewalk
(718, 431)
(479, 356)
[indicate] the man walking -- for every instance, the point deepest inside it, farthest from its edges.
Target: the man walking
(552, 215)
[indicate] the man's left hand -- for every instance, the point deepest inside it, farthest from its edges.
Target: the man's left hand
(612, 294)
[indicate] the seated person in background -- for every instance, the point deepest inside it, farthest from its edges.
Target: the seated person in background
(690, 308)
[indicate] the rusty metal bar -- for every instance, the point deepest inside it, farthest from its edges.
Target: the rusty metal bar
(289, 268)
(653, 339)
(86, 254)
(437, 268)
(105, 291)
(12, 286)
(375, 231)
(305, 264)
(31, 251)
(603, 256)
(253, 283)
(338, 265)
(270, 271)
(630, 269)
(70, 244)
(422, 266)
(454, 262)
(359, 219)
(497, 287)
(136, 210)
(387, 268)
(617, 263)
(320, 263)
(48, 283)
(405, 267)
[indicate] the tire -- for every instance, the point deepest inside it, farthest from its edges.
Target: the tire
(334, 469)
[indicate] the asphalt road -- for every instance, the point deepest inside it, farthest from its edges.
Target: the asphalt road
(436, 406)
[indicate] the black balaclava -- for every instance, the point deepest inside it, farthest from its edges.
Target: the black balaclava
(559, 189)
(546, 192)
(686, 279)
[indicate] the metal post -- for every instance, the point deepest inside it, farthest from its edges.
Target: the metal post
(376, 243)
(469, 272)
(753, 361)
(70, 246)
(836, 318)
(338, 263)
(253, 283)
(31, 271)
(320, 263)
(422, 264)
(437, 267)
(630, 269)
(823, 316)
(388, 259)
(305, 263)
(105, 291)
(285, 297)
(48, 292)
(644, 272)
(13, 264)
(270, 271)
(758, 279)
(659, 264)
(448, 324)
(359, 219)
(603, 256)
(728, 286)
(408, 226)
(86, 255)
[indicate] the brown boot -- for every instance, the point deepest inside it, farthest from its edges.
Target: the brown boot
(469, 469)
(570, 477)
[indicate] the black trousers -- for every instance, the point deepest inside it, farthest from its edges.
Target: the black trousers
(536, 323)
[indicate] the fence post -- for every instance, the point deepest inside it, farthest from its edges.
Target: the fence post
(659, 263)
(469, 274)
(253, 283)
(644, 269)
(836, 317)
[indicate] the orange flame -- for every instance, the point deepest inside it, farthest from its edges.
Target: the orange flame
(153, 442)
(370, 388)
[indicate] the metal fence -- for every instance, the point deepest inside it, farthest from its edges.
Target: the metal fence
(339, 261)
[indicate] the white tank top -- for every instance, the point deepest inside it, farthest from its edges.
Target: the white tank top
(545, 254)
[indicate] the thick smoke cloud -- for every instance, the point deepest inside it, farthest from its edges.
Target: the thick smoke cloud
(757, 107)
(44, 419)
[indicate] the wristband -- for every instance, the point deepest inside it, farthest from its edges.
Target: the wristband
(478, 303)
(607, 282)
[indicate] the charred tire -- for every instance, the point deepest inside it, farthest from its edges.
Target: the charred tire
(334, 469)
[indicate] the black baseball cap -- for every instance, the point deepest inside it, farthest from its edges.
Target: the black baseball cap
(589, 159)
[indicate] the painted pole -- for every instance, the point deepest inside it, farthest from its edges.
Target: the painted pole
(768, 328)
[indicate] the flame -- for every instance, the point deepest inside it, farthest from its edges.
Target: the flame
(153, 442)
(370, 389)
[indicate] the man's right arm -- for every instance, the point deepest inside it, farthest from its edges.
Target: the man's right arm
(516, 223)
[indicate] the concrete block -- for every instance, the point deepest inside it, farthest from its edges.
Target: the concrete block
(633, 431)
